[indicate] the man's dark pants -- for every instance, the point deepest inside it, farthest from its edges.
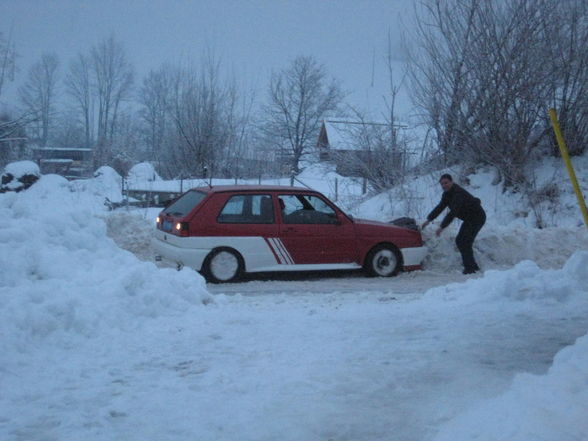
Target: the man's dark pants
(465, 239)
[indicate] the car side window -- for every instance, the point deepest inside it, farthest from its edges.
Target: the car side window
(306, 209)
(248, 209)
(291, 203)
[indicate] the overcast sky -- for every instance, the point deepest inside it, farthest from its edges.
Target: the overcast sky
(250, 37)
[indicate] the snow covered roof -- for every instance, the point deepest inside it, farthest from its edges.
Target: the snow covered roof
(62, 149)
(343, 135)
(21, 168)
(56, 161)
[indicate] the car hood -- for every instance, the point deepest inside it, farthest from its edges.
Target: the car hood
(371, 222)
(368, 227)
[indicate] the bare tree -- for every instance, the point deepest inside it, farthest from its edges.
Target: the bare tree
(78, 85)
(12, 138)
(113, 79)
(195, 120)
(482, 80)
(240, 159)
(7, 61)
(300, 97)
(69, 130)
(128, 145)
(38, 94)
(155, 98)
(394, 88)
(567, 53)
(382, 153)
(445, 31)
(12, 134)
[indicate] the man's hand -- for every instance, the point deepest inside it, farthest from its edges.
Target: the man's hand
(425, 224)
(439, 231)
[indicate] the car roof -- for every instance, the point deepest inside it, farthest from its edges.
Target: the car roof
(256, 188)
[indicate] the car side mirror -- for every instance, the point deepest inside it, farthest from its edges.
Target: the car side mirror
(340, 219)
(334, 219)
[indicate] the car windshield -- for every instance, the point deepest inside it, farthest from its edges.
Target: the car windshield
(185, 204)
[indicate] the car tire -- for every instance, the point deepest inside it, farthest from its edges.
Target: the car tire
(383, 261)
(223, 265)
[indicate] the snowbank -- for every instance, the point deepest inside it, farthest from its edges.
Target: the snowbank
(62, 275)
(19, 176)
(525, 282)
(107, 176)
(501, 247)
(20, 168)
(106, 184)
(536, 407)
(143, 172)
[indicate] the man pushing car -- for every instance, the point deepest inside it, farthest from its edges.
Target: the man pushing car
(466, 207)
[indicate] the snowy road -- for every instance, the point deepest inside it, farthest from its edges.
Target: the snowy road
(407, 285)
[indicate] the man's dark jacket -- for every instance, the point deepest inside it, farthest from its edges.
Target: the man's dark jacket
(461, 204)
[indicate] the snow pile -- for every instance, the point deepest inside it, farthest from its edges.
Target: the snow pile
(107, 178)
(547, 407)
(20, 168)
(106, 185)
(61, 274)
(499, 247)
(143, 172)
(19, 175)
(525, 282)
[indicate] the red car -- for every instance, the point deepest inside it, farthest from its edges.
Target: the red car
(226, 231)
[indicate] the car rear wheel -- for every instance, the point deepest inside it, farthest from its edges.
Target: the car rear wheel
(383, 261)
(223, 265)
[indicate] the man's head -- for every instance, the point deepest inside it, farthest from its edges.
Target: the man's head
(446, 182)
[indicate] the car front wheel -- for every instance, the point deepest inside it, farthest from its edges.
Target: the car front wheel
(223, 265)
(383, 261)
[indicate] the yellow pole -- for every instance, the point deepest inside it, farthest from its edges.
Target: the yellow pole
(566, 157)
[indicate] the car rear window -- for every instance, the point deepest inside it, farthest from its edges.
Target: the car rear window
(185, 204)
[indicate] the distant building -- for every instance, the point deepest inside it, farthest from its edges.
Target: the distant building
(355, 145)
(71, 163)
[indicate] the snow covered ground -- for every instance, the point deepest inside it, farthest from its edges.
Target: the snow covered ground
(98, 344)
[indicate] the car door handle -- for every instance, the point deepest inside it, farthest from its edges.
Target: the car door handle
(289, 230)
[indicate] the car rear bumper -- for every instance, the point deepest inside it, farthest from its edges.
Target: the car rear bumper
(413, 257)
(170, 253)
